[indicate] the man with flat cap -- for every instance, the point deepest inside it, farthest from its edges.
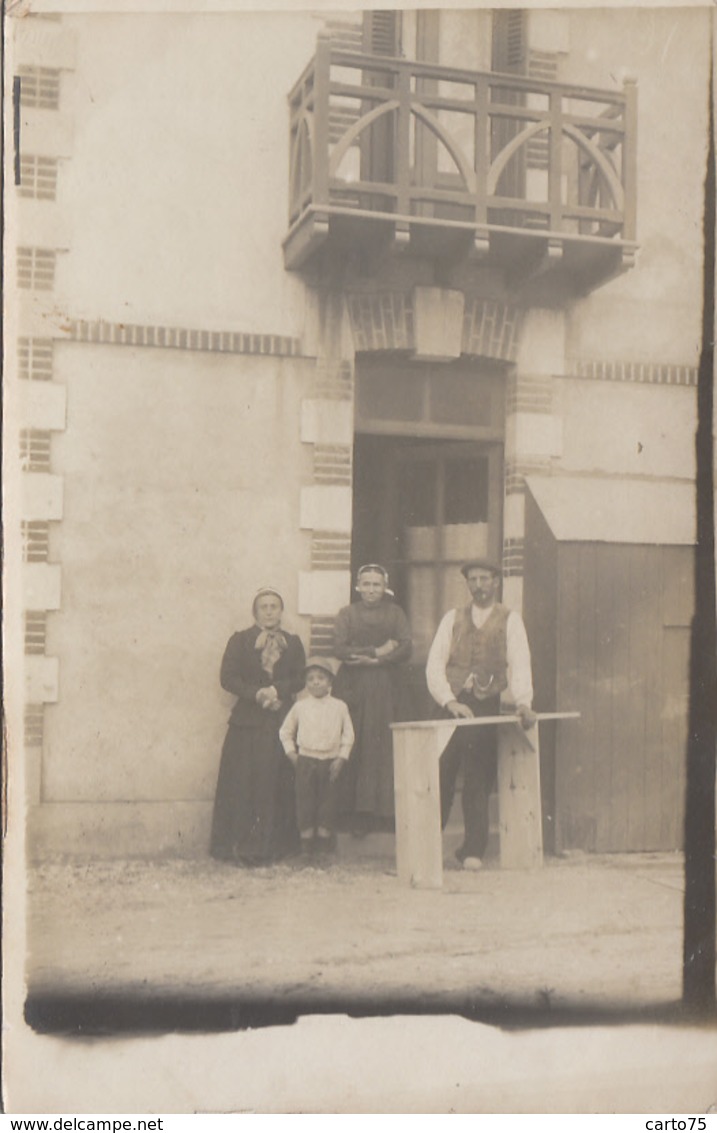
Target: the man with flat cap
(479, 658)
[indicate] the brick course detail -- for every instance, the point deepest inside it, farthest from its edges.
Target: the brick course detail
(330, 551)
(34, 724)
(491, 329)
(651, 373)
(332, 464)
(35, 631)
(219, 342)
(322, 636)
(334, 379)
(517, 470)
(35, 540)
(513, 557)
(385, 322)
(35, 359)
(529, 394)
(381, 322)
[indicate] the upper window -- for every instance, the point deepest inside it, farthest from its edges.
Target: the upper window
(447, 400)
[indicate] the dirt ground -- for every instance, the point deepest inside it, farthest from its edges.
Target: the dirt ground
(583, 930)
(580, 932)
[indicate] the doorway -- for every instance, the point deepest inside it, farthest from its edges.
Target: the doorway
(427, 483)
(422, 507)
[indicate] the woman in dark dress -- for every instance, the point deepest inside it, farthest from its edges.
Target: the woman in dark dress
(372, 638)
(254, 819)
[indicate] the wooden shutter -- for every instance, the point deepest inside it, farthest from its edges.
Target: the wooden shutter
(510, 41)
(510, 53)
(345, 34)
(382, 33)
(381, 36)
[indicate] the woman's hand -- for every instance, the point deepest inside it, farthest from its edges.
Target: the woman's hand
(268, 698)
(386, 648)
(358, 659)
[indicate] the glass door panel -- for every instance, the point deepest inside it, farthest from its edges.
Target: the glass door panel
(446, 510)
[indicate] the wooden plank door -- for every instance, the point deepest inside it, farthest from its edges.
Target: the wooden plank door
(623, 661)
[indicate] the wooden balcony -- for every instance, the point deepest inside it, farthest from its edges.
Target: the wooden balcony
(534, 181)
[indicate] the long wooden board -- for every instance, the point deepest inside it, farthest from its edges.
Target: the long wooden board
(417, 748)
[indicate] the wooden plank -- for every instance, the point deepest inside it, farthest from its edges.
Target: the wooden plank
(673, 688)
(679, 586)
(540, 616)
(608, 689)
(675, 705)
(614, 805)
(512, 81)
(555, 163)
(417, 748)
(569, 747)
(643, 605)
(477, 721)
(519, 807)
(419, 847)
(583, 783)
(629, 159)
(653, 784)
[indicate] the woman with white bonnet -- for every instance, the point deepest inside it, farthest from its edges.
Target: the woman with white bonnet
(254, 810)
(372, 638)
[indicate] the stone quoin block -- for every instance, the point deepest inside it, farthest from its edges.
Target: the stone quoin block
(41, 679)
(42, 223)
(326, 508)
(47, 132)
(43, 405)
(43, 44)
(533, 435)
(41, 495)
(437, 324)
(41, 586)
(327, 422)
(323, 592)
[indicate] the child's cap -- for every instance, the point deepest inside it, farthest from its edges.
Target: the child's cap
(327, 664)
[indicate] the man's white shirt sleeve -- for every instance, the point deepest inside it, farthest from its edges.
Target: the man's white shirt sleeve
(438, 655)
(520, 680)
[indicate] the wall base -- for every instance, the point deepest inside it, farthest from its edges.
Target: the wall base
(118, 830)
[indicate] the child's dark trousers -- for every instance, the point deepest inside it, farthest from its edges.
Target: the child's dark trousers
(316, 795)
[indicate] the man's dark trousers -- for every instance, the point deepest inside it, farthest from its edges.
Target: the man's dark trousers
(476, 751)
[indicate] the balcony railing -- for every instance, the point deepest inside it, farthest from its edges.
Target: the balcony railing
(520, 169)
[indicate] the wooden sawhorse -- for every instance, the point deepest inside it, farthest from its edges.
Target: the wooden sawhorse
(417, 748)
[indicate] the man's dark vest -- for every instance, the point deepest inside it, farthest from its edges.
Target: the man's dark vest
(482, 653)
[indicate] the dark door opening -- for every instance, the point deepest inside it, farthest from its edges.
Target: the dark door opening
(422, 507)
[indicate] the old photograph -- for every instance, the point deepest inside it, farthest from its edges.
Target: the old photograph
(352, 365)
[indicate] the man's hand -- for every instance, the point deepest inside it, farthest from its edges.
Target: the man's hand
(459, 710)
(527, 717)
(335, 769)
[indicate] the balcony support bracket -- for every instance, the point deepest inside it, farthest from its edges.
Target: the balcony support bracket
(481, 245)
(305, 238)
(401, 236)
